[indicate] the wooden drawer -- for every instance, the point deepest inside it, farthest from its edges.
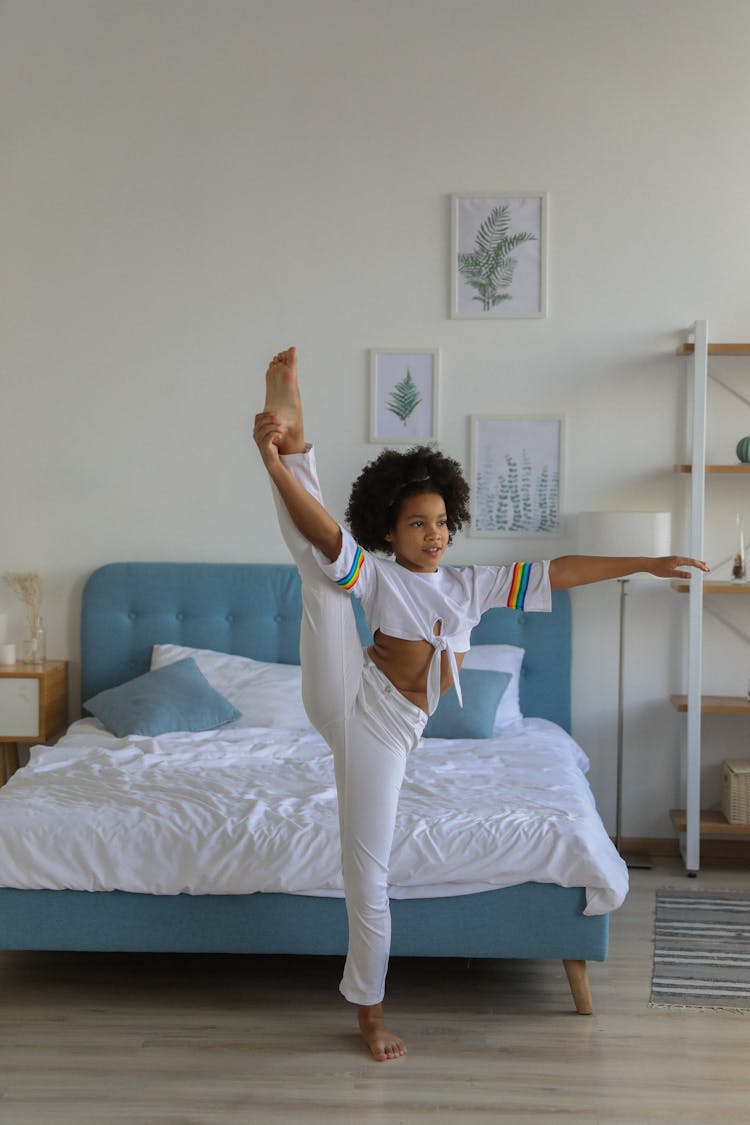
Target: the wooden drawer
(19, 708)
(33, 701)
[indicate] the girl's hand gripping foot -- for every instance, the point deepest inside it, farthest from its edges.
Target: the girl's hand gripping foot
(268, 432)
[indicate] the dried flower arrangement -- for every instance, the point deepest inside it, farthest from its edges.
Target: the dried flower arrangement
(28, 587)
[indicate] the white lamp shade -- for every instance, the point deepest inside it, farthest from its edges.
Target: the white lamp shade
(625, 533)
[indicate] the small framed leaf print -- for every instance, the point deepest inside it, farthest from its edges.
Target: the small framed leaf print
(403, 395)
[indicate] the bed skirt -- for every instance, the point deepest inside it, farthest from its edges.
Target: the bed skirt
(513, 922)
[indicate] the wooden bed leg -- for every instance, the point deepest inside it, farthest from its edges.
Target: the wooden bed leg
(578, 979)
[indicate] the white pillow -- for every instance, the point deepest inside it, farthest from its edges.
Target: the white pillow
(495, 658)
(267, 695)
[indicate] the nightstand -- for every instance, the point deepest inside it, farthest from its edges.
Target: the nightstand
(33, 708)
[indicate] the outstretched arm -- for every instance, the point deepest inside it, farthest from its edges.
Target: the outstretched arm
(580, 570)
(307, 514)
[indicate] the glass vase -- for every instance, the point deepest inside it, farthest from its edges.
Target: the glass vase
(34, 648)
(739, 567)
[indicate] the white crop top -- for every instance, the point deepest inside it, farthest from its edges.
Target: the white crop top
(408, 604)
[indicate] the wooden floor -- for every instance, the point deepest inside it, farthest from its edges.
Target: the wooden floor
(190, 1040)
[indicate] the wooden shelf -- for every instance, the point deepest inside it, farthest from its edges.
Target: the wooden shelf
(715, 704)
(713, 823)
(708, 822)
(740, 467)
(716, 349)
(682, 586)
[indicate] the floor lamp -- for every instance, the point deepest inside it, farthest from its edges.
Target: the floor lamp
(624, 533)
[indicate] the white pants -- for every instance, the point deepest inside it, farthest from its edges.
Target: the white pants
(370, 727)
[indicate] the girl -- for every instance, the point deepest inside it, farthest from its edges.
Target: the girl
(371, 705)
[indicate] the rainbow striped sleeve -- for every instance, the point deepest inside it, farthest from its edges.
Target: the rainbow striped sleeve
(519, 584)
(350, 579)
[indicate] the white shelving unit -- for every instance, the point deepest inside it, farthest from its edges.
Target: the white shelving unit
(691, 822)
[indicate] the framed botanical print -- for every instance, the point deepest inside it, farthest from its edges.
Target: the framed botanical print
(499, 255)
(516, 475)
(403, 395)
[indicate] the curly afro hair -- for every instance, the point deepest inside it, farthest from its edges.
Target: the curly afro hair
(383, 485)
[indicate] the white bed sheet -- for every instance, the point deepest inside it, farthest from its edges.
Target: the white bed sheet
(254, 809)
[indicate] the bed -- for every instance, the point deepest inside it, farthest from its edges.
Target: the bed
(251, 612)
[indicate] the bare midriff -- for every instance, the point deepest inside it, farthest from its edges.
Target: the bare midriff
(407, 663)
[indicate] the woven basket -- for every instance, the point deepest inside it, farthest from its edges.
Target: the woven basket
(735, 790)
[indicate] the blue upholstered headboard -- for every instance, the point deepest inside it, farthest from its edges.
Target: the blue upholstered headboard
(253, 609)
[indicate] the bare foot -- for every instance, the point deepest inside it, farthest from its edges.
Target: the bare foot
(383, 1044)
(283, 400)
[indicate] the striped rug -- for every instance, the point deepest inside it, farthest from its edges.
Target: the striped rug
(701, 950)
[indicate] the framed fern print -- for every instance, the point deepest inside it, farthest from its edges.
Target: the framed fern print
(516, 475)
(499, 255)
(403, 395)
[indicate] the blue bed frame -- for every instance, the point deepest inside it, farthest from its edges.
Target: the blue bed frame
(254, 610)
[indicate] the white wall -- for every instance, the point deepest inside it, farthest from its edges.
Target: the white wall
(190, 185)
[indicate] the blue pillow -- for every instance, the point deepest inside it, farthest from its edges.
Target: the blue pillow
(482, 692)
(175, 697)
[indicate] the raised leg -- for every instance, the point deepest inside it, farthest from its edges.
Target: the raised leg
(330, 648)
(578, 979)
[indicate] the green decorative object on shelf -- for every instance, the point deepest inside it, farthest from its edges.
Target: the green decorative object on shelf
(743, 449)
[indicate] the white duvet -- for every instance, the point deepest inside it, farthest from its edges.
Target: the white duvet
(254, 809)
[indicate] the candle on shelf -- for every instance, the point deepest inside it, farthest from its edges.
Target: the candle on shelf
(7, 653)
